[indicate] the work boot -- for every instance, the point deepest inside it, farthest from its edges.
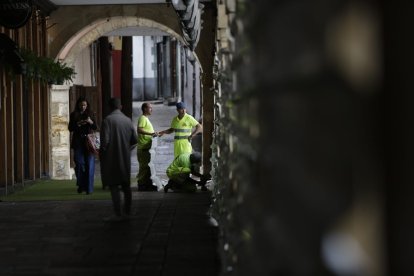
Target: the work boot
(152, 188)
(147, 186)
(168, 186)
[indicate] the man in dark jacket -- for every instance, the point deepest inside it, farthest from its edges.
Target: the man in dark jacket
(118, 136)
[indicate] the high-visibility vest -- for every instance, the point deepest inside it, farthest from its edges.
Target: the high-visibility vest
(182, 130)
(145, 140)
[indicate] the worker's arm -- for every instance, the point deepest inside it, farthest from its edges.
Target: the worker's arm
(198, 129)
(142, 131)
(166, 131)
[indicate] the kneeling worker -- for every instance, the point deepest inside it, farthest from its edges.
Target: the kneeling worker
(179, 173)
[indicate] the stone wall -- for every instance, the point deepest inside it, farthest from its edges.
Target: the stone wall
(59, 133)
(296, 161)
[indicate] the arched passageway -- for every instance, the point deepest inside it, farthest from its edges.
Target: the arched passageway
(63, 26)
(177, 74)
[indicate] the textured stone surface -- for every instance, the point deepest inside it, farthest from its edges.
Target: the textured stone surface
(59, 133)
(295, 155)
(169, 234)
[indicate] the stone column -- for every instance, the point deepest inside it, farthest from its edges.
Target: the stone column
(59, 138)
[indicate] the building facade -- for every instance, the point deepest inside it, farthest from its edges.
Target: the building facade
(24, 105)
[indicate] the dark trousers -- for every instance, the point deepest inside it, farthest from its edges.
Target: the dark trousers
(116, 198)
(144, 171)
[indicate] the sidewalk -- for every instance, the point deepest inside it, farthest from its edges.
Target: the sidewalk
(170, 233)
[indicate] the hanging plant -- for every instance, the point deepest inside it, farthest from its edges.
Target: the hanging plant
(45, 69)
(31, 64)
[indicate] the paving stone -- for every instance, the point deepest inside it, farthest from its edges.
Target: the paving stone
(84, 245)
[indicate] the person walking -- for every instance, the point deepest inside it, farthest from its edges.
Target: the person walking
(82, 123)
(183, 125)
(145, 135)
(118, 137)
(180, 170)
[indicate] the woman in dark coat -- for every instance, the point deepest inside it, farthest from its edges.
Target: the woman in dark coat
(82, 123)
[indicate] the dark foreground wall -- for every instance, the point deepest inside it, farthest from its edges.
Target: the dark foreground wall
(313, 140)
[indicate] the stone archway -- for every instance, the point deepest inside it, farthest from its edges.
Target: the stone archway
(92, 32)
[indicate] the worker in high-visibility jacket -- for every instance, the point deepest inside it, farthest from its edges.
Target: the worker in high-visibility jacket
(180, 171)
(183, 125)
(145, 134)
